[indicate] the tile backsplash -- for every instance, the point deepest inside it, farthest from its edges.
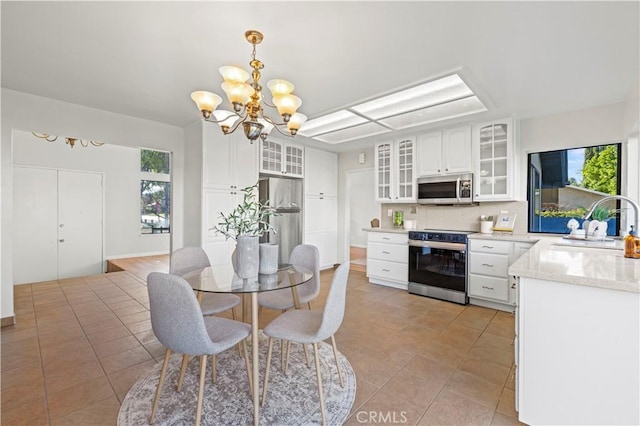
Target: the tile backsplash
(456, 218)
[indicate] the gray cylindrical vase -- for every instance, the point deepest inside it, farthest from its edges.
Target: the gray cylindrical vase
(247, 256)
(268, 258)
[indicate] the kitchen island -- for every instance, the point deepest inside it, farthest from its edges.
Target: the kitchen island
(577, 345)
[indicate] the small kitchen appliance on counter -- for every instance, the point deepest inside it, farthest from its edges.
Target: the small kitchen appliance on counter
(438, 264)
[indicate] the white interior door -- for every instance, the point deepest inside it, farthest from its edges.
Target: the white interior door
(80, 224)
(35, 225)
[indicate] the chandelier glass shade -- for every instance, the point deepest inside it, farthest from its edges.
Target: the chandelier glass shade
(247, 101)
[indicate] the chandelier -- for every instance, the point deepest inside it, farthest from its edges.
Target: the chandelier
(69, 141)
(247, 101)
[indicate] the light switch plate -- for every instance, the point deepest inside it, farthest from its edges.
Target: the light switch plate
(389, 212)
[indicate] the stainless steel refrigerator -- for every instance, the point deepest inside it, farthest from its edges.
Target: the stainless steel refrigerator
(286, 196)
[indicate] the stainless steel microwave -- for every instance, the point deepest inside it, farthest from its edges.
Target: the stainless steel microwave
(447, 189)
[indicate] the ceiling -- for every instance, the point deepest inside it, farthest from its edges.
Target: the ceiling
(145, 58)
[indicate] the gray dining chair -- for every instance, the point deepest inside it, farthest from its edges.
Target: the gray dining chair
(188, 259)
(312, 327)
(178, 323)
(305, 256)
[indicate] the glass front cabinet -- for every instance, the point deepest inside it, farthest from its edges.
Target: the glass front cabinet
(494, 169)
(281, 158)
(395, 170)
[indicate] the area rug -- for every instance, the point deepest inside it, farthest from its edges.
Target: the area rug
(292, 398)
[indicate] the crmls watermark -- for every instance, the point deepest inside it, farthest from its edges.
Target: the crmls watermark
(373, 417)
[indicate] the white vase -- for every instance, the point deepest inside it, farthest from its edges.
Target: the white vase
(268, 258)
(601, 231)
(247, 256)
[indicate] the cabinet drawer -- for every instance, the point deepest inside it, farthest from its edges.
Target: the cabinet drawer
(392, 271)
(384, 237)
(490, 246)
(489, 287)
(389, 252)
(489, 264)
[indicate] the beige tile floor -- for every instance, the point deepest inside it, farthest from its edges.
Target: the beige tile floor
(79, 344)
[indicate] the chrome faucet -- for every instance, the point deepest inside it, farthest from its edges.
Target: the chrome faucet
(636, 208)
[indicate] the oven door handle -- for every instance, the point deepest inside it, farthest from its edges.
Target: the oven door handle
(439, 245)
(458, 189)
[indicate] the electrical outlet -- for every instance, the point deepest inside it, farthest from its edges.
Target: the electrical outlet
(389, 212)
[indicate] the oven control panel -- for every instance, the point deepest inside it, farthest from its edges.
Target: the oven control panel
(449, 237)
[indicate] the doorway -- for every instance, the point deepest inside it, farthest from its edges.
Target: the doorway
(360, 208)
(58, 224)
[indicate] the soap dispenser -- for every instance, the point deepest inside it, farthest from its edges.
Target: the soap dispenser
(630, 243)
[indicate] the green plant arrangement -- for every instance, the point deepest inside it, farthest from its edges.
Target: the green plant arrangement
(603, 213)
(249, 218)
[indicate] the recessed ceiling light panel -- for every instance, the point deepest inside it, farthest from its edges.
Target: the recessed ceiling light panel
(331, 122)
(435, 92)
(459, 108)
(352, 133)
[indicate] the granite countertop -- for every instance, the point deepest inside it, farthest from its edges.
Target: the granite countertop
(392, 230)
(556, 259)
(506, 236)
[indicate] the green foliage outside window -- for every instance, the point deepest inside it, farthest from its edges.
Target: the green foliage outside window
(154, 161)
(600, 170)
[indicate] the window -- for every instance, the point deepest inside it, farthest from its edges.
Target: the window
(155, 192)
(563, 184)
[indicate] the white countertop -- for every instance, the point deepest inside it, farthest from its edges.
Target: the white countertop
(556, 259)
(392, 230)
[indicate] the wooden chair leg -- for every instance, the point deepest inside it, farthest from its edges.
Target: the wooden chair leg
(233, 312)
(306, 355)
(266, 372)
(319, 376)
(335, 354)
(246, 363)
(214, 374)
(183, 369)
(203, 372)
(282, 354)
(309, 304)
(165, 363)
(286, 362)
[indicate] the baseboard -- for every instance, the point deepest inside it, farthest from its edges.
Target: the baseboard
(491, 305)
(127, 256)
(7, 321)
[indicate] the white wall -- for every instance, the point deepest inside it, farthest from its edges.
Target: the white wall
(22, 111)
(121, 168)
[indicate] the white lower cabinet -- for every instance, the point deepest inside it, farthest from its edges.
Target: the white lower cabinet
(388, 259)
(578, 354)
(489, 281)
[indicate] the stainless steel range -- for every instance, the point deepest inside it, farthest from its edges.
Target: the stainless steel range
(438, 264)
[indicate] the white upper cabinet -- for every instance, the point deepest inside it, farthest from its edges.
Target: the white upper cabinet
(281, 158)
(395, 170)
(494, 153)
(444, 152)
(229, 161)
(320, 173)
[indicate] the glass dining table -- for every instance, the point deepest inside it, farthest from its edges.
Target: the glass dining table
(223, 280)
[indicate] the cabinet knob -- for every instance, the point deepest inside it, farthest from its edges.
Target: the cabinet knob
(62, 240)
(487, 288)
(386, 252)
(446, 170)
(513, 285)
(487, 265)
